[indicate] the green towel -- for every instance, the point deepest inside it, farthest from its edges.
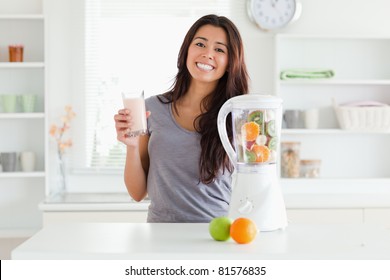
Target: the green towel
(306, 74)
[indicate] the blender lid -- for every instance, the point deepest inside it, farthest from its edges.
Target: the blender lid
(254, 100)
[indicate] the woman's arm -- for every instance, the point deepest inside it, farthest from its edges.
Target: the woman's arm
(137, 157)
(136, 169)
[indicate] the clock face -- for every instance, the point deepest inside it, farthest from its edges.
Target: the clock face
(272, 14)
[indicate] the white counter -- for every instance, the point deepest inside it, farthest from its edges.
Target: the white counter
(192, 241)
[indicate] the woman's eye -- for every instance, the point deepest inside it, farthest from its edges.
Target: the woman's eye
(200, 44)
(220, 50)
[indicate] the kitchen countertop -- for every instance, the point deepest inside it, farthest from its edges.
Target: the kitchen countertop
(192, 241)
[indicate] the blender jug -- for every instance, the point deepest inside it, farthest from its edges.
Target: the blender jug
(256, 127)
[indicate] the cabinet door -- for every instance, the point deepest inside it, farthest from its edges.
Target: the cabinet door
(379, 216)
(325, 216)
(95, 216)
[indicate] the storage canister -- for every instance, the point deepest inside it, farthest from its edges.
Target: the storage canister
(310, 168)
(290, 159)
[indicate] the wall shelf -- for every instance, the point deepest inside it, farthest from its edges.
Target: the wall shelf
(304, 131)
(8, 65)
(36, 174)
(22, 116)
(22, 16)
(335, 82)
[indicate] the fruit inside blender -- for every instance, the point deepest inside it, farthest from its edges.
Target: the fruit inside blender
(255, 136)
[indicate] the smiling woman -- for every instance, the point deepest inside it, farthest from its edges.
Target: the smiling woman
(181, 164)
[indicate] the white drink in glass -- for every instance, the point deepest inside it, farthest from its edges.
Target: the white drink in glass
(135, 103)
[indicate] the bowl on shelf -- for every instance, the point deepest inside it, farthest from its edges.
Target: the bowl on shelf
(368, 116)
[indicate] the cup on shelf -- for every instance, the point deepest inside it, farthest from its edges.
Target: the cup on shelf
(27, 161)
(8, 103)
(293, 118)
(28, 102)
(311, 118)
(15, 53)
(8, 161)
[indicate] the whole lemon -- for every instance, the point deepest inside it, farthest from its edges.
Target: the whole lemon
(219, 228)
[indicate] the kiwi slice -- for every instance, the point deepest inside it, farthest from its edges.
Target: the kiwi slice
(272, 143)
(271, 128)
(257, 117)
(249, 156)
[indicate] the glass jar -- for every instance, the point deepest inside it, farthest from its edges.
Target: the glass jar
(310, 168)
(290, 159)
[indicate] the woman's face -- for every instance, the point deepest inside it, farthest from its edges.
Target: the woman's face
(207, 58)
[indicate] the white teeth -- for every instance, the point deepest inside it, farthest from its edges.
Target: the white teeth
(204, 66)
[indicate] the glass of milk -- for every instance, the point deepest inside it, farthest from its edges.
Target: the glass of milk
(134, 101)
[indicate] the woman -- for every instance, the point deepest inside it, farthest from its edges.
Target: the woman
(181, 164)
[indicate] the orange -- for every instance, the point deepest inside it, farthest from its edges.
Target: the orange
(250, 131)
(243, 230)
(262, 153)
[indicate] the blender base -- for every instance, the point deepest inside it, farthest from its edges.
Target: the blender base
(258, 196)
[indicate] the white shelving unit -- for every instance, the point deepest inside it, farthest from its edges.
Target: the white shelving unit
(362, 72)
(23, 22)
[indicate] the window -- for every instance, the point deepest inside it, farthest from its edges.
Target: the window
(129, 44)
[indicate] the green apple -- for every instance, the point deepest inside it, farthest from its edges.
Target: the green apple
(219, 228)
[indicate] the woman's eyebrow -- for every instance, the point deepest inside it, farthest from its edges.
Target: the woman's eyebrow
(205, 39)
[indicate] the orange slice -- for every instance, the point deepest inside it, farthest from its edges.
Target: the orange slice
(262, 153)
(250, 131)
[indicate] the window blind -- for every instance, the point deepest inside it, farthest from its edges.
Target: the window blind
(130, 45)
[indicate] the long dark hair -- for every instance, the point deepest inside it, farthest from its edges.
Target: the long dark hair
(233, 83)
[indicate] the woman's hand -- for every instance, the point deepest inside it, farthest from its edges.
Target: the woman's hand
(123, 125)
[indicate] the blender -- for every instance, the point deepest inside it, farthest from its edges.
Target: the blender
(256, 126)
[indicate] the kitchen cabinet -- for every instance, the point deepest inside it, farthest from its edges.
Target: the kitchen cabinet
(377, 216)
(362, 72)
(325, 216)
(309, 205)
(90, 207)
(22, 22)
(94, 217)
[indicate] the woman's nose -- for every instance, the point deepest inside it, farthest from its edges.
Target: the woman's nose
(208, 54)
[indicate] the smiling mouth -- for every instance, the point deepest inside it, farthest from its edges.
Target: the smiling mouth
(204, 67)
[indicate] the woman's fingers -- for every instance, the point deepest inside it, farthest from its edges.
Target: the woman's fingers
(123, 112)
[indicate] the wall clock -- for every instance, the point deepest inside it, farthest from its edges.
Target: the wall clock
(273, 14)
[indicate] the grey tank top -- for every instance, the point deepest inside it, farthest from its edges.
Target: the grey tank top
(173, 185)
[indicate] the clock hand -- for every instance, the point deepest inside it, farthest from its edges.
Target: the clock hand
(274, 4)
